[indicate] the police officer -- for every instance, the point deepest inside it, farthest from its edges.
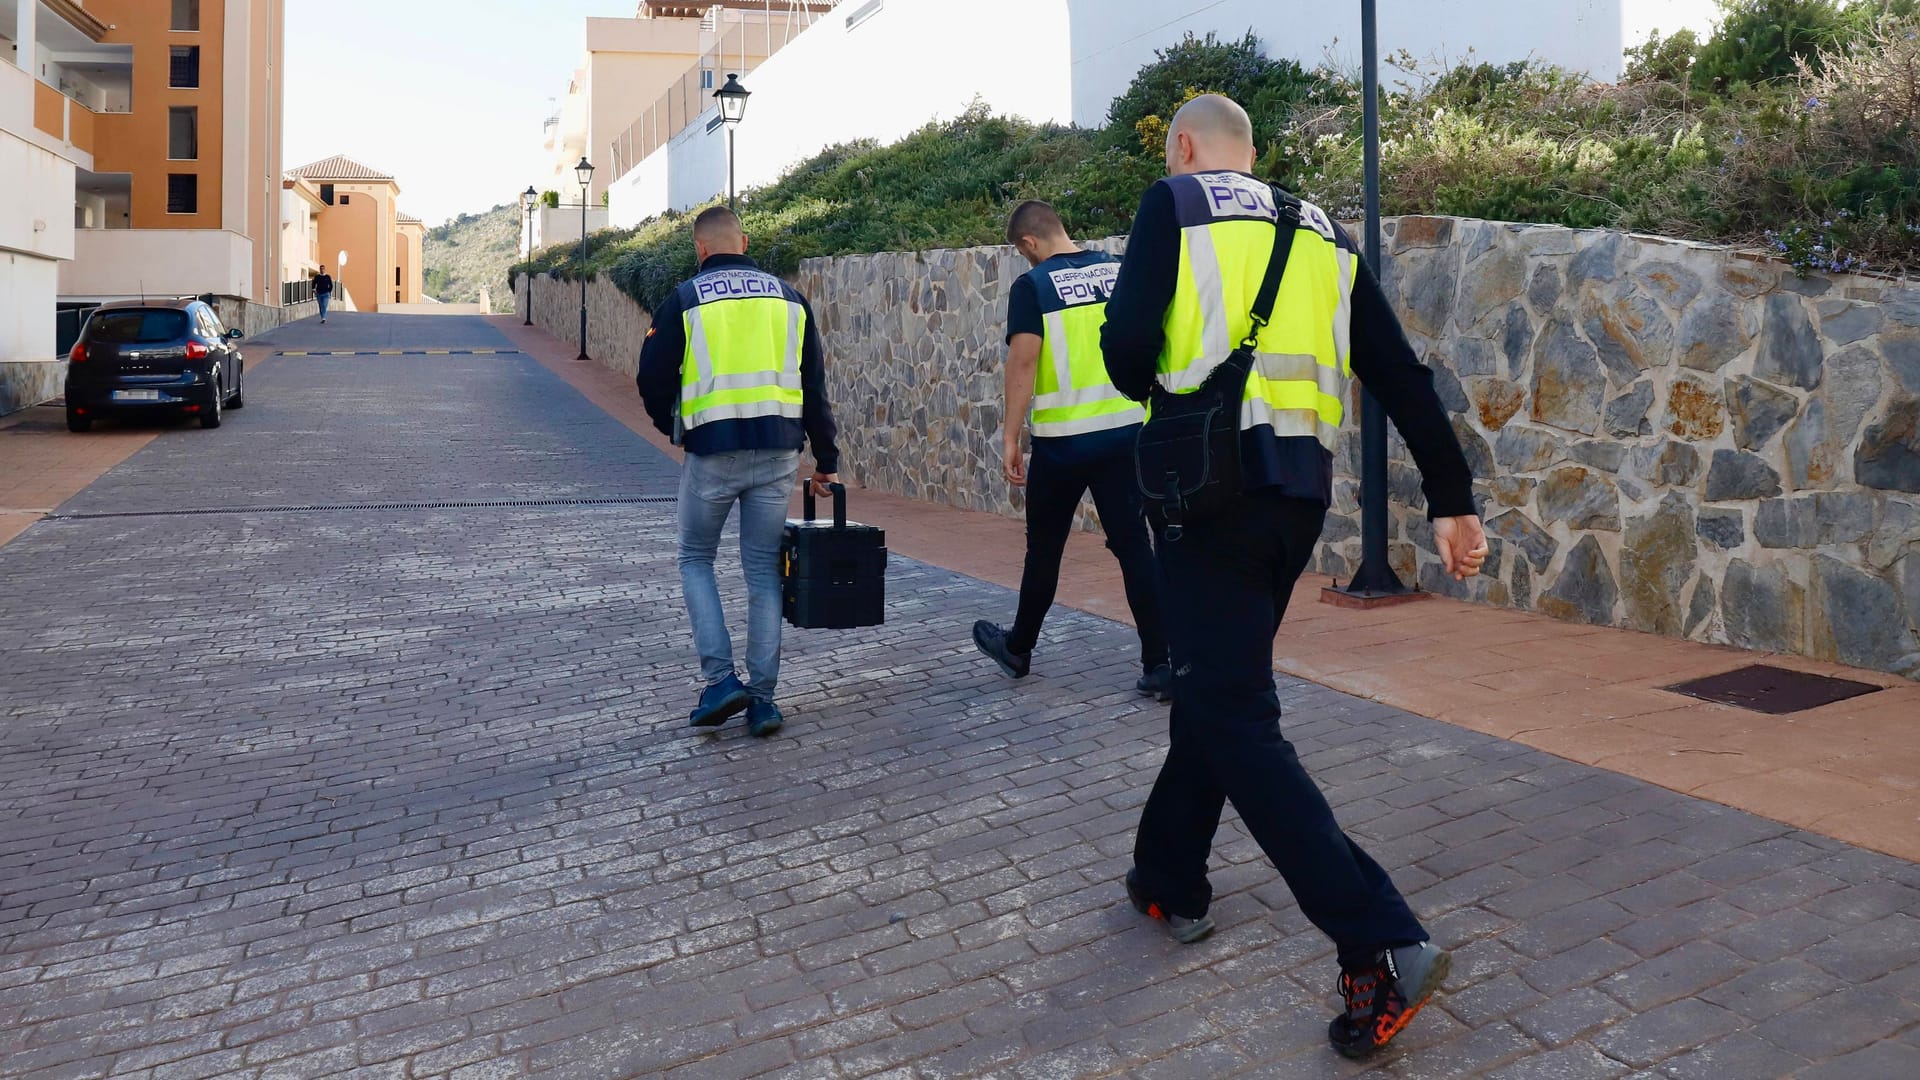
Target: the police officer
(1199, 248)
(732, 368)
(1083, 431)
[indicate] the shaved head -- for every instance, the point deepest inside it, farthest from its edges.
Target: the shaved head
(717, 232)
(1035, 219)
(1210, 133)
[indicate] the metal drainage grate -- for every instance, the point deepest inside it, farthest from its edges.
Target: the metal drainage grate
(502, 504)
(1775, 691)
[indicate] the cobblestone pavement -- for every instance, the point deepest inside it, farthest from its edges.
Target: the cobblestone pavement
(405, 792)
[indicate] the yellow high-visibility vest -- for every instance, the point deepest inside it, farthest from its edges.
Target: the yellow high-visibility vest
(744, 330)
(1304, 354)
(1072, 394)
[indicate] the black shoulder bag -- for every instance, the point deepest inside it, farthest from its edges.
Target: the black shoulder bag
(1187, 455)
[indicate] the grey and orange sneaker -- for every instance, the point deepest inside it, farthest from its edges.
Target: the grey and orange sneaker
(1384, 996)
(1184, 930)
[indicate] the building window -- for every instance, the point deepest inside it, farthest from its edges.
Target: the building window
(183, 134)
(183, 193)
(184, 74)
(706, 78)
(326, 194)
(396, 279)
(346, 200)
(186, 14)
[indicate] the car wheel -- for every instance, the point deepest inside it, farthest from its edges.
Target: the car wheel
(210, 415)
(77, 423)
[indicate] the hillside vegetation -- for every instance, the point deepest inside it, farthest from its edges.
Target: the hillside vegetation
(470, 252)
(1792, 127)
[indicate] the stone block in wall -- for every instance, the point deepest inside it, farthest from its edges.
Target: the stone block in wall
(1534, 542)
(1498, 401)
(1586, 590)
(1569, 384)
(1630, 331)
(1656, 562)
(1739, 476)
(1858, 619)
(1762, 607)
(1668, 463)
(1695, 411)
(1759, 410)
(1581, 497)
(1790, 351)
(1889, 454)
(1626, 415)
(1723, 528)
(1713, 332)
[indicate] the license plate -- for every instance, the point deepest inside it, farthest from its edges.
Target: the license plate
(136, 395)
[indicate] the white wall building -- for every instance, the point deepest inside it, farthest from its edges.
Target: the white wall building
(881, 68)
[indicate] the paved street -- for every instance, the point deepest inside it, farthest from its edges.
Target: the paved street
(349, 738)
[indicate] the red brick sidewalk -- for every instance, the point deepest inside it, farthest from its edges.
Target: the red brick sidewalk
(1590, 694)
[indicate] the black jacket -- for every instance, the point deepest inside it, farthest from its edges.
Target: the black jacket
(1382, 360)
(322, 285)
(659, 380)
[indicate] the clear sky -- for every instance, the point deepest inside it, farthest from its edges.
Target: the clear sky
(447, 95)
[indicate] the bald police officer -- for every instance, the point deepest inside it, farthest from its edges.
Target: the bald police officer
(1083, 431)
(1200, 246)
(733, 369)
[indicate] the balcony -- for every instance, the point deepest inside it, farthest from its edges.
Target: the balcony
(111, 264)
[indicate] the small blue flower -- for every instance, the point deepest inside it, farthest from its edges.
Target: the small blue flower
(1813, 103)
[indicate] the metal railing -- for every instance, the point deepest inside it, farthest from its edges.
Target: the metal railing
(743, 47)
(296, 292)
(68, 322)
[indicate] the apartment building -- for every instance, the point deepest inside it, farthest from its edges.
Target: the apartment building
(48, 135)
(350, 213)
(184, 192)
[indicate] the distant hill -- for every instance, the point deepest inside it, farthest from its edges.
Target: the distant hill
(471, 252)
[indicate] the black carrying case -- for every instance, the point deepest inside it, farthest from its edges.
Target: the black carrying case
(833, 575)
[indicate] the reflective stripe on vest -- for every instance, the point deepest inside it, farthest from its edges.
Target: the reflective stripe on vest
(1298, 385)
(744, 334)
(1072, 393)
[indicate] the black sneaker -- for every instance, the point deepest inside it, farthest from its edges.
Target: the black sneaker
(992, 640)
(1384, 996)
(763, 718)
(1184, 930)
(719, 703)
(1157, 684)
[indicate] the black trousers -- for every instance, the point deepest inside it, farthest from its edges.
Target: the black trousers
(1226, 586)
(1063, 470)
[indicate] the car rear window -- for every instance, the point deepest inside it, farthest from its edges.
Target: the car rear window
(137, 327)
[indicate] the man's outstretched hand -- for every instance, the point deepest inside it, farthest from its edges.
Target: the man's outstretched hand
(1462, 545)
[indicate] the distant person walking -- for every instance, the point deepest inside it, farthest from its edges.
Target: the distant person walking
(1203, 243)
(323, 292)
(1083, 431)
(733, 370)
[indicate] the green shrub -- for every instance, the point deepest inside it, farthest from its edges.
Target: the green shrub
(1760, 41)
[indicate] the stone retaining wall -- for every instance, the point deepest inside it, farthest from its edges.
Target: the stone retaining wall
(1670, 437)
(26, 383)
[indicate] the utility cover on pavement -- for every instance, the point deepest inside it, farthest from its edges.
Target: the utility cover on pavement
(1773, 690)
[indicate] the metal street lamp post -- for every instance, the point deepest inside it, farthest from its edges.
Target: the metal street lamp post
(1375, 579)
(528, 200)
(733, 106)
(584, 172)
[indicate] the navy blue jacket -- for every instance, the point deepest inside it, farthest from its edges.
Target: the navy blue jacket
(659, 380)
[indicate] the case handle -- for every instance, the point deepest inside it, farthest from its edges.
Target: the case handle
(839, 502)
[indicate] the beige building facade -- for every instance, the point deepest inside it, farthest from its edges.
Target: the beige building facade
(372, 249)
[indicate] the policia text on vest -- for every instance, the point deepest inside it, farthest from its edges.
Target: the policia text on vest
(733, 369)
(1083, 432)
(1202, 242)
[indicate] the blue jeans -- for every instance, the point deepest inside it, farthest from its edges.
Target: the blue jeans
(324, 298)
(761, 481)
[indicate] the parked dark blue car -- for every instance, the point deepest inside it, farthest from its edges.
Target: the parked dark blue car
(154, 356)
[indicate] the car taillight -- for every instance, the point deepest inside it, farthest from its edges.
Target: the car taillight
(79, 353)
(196, 351)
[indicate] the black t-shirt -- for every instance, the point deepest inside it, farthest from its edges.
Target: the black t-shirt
(1023, 300)
(322, 284)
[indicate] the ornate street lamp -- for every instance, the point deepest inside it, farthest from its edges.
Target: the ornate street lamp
(528, 200)
(584, 171)
(733, 107)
